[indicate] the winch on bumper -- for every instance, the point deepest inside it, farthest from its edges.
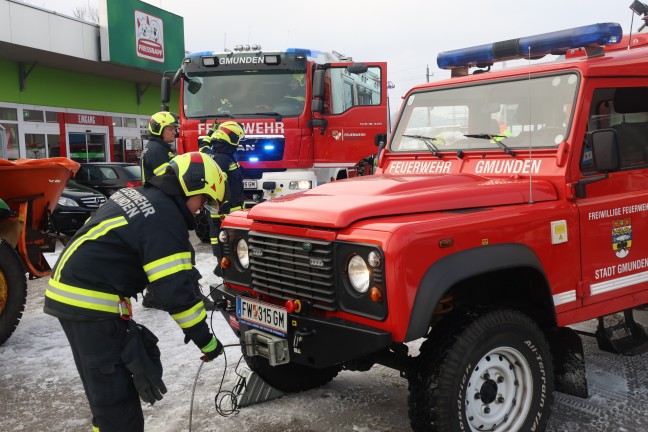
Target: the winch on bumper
(311, 341)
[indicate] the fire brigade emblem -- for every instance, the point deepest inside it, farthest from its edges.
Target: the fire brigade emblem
(622, 237)
(336, 135)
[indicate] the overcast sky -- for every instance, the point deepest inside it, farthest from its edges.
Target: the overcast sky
(406, 34)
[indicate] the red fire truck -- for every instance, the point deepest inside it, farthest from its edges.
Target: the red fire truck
(507, 205)
(308, 116)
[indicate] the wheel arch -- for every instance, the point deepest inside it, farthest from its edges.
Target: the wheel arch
(470, 274)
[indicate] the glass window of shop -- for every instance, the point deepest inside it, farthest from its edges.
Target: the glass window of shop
(35, 146)
(130, 122)
(53, 145)
(51, 117)
(31, 115)
(9, 120)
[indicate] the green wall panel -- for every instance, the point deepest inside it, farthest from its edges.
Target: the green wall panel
(59, 88)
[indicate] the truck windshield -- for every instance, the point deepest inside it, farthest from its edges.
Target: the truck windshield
(246, 93)
(534, 112)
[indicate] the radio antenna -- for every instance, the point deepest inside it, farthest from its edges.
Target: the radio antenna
(530, 134)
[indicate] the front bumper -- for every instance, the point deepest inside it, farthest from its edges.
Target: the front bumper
(315, 342)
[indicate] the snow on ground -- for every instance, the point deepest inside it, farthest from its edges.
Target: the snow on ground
(41, 391)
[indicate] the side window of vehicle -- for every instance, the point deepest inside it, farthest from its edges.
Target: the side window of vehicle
(345, 90)
(82, 175)
(108, 173)
(624, 110)
(95, 175)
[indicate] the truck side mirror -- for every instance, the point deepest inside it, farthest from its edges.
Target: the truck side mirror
(357, 68)
(380, 139)
(195, 84)
(165, 93)
(605, 149)
(605, 153)
(318, 91)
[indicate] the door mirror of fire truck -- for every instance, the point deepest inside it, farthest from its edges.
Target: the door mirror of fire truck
(165, 93)
(357, 68)
(605, 150)
(605, 155)
(318, 91)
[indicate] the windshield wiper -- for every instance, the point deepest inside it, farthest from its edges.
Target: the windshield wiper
(275, 114)
(493, 137)
(217, 116)
(428, 141)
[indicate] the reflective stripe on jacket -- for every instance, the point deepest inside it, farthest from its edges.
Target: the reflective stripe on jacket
(139, 237)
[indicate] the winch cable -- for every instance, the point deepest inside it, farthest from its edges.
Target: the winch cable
(221, 394)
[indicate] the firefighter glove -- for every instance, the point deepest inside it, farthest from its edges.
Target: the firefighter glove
(212, 350)
(141, 356)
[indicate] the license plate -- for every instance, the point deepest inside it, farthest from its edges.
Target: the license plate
(249, 184)
(263, 316)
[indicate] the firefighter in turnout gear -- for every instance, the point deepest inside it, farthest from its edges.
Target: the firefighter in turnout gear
(139, 237)
(221, 144)
(163, 127)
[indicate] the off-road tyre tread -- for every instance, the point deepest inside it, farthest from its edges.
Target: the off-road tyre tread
(12, 269)
(445, 348)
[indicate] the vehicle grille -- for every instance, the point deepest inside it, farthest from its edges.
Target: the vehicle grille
(283, 267)
(93, 202)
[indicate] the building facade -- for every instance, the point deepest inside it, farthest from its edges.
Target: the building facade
(60, 97)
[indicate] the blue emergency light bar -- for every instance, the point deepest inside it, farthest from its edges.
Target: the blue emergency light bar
(534, 47)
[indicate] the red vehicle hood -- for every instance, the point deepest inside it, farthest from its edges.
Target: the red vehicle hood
(339, 204)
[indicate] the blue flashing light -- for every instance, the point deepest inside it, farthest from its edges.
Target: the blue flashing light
(254, 159)
(300, 51)
(532, 46)
(199, 54)
(269, 147)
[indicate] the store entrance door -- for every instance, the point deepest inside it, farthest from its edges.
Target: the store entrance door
(87, 146)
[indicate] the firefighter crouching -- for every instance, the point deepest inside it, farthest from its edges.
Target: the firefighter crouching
(139, 237)
(221, 144)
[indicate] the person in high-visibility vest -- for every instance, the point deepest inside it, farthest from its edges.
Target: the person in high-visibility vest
(221, 144)
(138, 238)
(163, 128)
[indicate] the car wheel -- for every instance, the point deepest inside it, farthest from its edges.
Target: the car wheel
(489, 371)
(13, 290)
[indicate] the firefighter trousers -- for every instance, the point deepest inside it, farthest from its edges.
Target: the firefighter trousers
(96, 347)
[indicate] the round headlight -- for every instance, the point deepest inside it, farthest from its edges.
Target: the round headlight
(358, 274)
(223, 237)
(242, 253)
(374, 259)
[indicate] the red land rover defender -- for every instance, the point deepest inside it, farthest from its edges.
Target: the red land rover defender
(507, 205)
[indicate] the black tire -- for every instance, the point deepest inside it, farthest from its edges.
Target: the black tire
(291, 377)
(202, 226)
(492, 370)
(13, 290)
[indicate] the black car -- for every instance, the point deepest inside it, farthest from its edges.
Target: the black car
(109, 177)
(76, 205)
